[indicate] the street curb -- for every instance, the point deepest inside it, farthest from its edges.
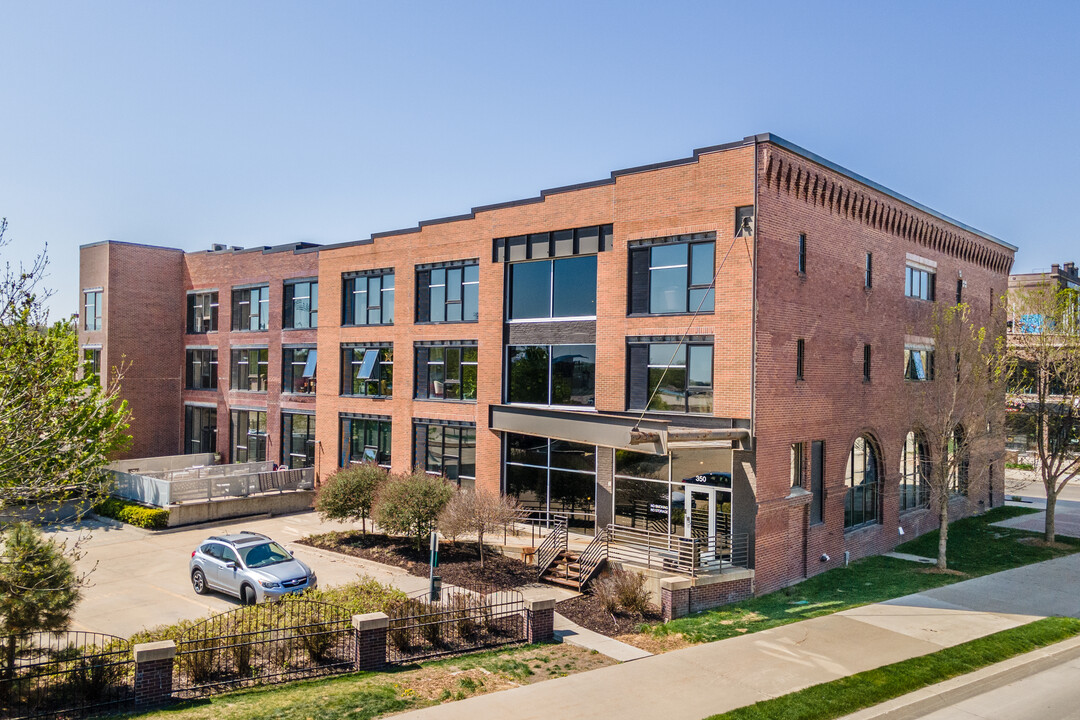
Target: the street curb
(945, 694)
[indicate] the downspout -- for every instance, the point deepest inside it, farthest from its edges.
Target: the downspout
(754, 307)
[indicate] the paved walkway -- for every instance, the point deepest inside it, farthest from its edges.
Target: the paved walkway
(570, 632)
(697, 682)
(1066, 521)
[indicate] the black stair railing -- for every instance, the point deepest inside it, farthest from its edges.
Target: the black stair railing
(593, 558)
(554, 545)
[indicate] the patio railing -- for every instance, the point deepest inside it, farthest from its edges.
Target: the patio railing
(210, 483)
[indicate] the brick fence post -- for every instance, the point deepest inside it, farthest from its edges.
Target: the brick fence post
(370, 629)
(540, 620)
(154, 673)
(675, 597)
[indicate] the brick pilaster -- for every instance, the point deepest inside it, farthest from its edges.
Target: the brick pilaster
(371, 630)
(154, 673)
(674, 597)
(540, 620)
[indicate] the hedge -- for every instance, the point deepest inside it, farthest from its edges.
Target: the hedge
(134, 514)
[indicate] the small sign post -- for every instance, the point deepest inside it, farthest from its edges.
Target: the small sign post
(436, 581)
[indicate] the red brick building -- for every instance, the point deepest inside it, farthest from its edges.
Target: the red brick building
(720, 346)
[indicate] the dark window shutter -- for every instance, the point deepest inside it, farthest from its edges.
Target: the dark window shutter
(191, 313)
(423, 296)
(422, 354)
(346, 371)
(817, 470)
(347, 302)
(419, 446)
(639, 281)
(638, 376)
(287, 315)
(933, 287)
(190, 372)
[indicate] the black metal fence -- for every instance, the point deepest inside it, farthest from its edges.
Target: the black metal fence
(459, 621)
(61, 675)
(273, 642)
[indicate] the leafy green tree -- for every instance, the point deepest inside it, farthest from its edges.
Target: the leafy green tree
(58, 425)
(410, 504)
(349, 494)
(39, 587)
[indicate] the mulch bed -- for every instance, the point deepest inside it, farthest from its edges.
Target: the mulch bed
(459, 563)
(585, 610)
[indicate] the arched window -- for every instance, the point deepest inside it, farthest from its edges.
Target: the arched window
(958, 462)
(861, 505)
(914, 472)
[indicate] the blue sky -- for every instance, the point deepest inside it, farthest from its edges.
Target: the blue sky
(259, 123)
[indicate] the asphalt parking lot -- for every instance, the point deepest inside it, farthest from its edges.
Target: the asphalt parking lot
(139, 579)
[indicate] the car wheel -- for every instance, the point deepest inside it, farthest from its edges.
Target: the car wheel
(198, 582)
(247, 595)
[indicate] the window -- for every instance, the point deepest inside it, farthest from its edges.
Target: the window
(673, 275)
(298, 369)
(918, 363)
(297, 440)
(202, 369)
(200, 429)
(92, 364)
(914, 473)
(958, 463)
(250, 369)
(817, 482)
(447, 449)
(800, 359)
(869, 279)
(446, 372)
(552, 476)
(862, 500)
(802, 254)
(202, 312)
(367, 370)
(248, 436)
(959, 291)
(866, 357)
(368, 298)
(919, 283)
(301, 304)
(797, 465)
(448, 294)
(671, 376)
(365, 438)
(92, 309)
(551, 374)
(251, 308)
(553, 289)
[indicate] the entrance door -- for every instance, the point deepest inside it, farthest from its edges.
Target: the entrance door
(700, 520)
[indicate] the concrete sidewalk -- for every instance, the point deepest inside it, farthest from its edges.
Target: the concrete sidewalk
(700, 681)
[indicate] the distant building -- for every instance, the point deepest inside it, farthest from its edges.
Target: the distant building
(722, 348)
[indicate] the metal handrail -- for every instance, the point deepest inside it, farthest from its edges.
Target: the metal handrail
(676, 553)
(555, 543)
(592, 558)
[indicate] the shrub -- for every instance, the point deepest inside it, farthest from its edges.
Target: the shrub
(410, 504)
(131, 513)
(349, 494)
(622, 590)
(604, 590)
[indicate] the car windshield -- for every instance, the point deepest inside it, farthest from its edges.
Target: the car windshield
(258, 556)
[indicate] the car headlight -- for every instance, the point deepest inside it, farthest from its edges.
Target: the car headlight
(269, 584)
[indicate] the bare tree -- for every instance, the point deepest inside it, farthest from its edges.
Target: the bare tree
(961, 405)
(475, 513)
(1045, 345)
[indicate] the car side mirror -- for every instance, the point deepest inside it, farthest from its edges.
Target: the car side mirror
(231, 565)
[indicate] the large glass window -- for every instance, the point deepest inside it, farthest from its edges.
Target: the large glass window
(862, 502)
(301, 304)
(959, 462)
(671, 377)
(365, 439)
(914, 473)
(92, 309)
(447, 449)
(368, 299)
(202, 369)
(298, 366)
(553, 289)
(202, 312)
(297, 440)
(918, 363)
(446, 372)
(448, 294)
(672, 277)
(251, 308)
(919, 283)
(367, 370)
(250, 369)
(551, 374)
(92, 363)
(248, 436)
(200, 429)
(553, 477)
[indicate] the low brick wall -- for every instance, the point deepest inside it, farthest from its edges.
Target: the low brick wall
(680, 596)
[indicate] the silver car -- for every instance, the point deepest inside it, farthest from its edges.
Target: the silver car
(249, 566)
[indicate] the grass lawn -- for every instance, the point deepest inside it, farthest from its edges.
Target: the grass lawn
(975, 549)
(369, 695)
(847, 695)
